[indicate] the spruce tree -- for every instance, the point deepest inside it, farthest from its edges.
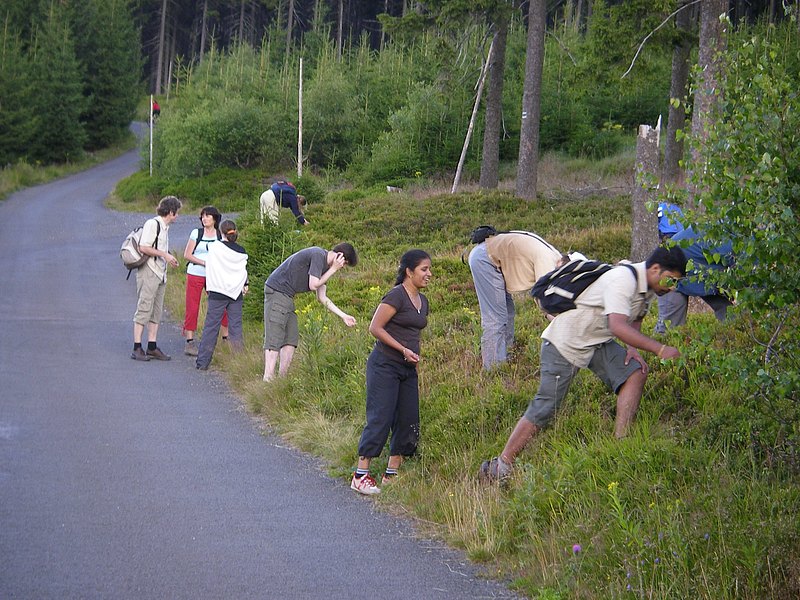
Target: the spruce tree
(58, 91)
(17, 120)
(107, 42)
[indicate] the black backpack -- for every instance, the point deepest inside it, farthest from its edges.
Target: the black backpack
(479, 234)
(557, 290)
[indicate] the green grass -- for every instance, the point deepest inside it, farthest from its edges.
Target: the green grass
(700, 501)
(22, 174)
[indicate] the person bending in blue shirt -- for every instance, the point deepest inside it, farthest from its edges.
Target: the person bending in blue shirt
(672, 307)
(282, 194)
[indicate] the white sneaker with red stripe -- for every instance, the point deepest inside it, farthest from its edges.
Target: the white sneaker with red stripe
(365, 485)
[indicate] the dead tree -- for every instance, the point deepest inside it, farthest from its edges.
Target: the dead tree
(644, 226)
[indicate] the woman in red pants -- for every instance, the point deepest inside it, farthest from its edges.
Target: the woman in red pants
(196, 252)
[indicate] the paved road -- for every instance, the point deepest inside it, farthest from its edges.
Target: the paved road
(121, 479)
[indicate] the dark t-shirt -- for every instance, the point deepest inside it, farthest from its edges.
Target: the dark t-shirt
(406, 324)
(291, 277)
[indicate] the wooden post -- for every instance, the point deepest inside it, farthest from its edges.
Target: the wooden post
(468, 137)
(644, 226)
(300, 123)
(151, 135)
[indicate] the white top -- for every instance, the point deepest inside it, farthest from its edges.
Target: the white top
(226, 270)
(201, 252)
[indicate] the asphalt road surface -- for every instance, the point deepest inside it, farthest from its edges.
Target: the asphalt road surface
(123, 479)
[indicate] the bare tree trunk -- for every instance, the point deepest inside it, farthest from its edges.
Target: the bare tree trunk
(203, 30)
(241, 22)
(494, 109)
(528, 160)
(578, 15)
(644, 227)
(289, 27)
(253, 24)
(712, 44)
(673, 148)
(383, 31)
(160, 59)
(339, 27)
(171, 56)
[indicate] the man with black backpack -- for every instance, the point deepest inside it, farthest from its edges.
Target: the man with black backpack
(151, 279)
(504, 263)
(611, 307)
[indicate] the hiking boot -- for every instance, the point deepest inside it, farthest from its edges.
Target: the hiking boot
(190, 349)
(157, 354)
(495, 470)
(366, 485)
(139, 354)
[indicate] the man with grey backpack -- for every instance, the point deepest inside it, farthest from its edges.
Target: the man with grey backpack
(151, 279)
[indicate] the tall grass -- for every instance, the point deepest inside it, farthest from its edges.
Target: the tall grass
(685, 507)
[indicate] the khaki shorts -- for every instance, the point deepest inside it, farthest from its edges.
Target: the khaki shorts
(280, 320)
(150, 290)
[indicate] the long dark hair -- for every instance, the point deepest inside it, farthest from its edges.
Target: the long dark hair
(410, 260)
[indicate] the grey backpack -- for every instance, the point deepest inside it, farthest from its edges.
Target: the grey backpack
(132, 257)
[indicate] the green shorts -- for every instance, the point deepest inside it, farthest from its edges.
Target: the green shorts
(280, 320)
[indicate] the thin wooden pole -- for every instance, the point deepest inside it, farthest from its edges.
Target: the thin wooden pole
(300, 123)
(468, 137)
(151, 135)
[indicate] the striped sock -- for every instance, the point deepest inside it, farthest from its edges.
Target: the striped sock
(390, 472)
(361, 472)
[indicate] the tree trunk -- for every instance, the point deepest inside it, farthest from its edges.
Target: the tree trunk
(531, 102)
(339, 28)
(172, 54)
(712, 44)
(383, 31)
(241, 22)
(644, 226)
(289, 27)
(494, 109)
(673, 148)
(160, 59)
(203, 30)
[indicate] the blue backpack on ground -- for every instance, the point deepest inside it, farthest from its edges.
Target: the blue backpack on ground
(557, 290)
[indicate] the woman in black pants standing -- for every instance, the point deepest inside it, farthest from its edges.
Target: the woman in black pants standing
(392, 384)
